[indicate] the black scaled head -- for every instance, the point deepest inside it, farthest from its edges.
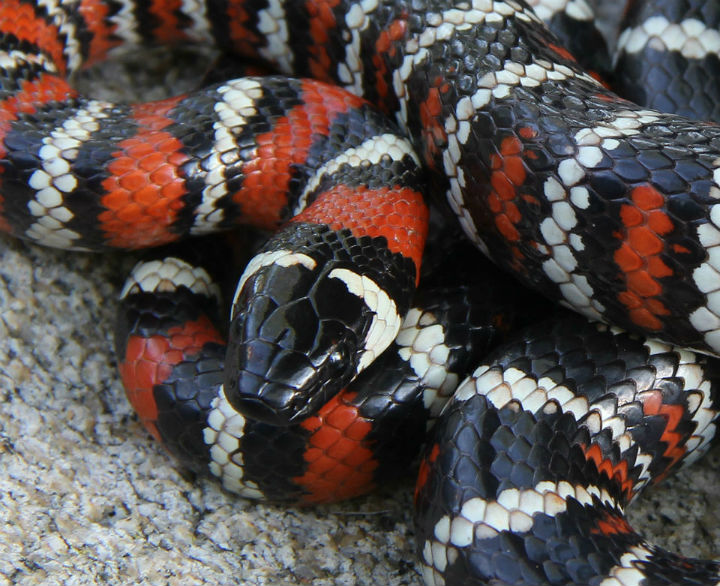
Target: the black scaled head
(313, 309)
(295, 338)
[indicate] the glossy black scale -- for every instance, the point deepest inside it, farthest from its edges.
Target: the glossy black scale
(280, 339)
(686, 83)
(389, 394)
(560, 111)
(480, 450)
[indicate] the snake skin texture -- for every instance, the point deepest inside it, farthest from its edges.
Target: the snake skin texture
(542, 448)
(530, 152)
(601, 204)
(172, 354)
(668, 57)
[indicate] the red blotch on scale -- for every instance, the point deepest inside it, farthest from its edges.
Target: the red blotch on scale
(561, 51)
(19, 19)
(322, 23)
(652, 402)
(240, 26)
(507, 175)
(340, 463)
(267, 176)
(168, 27)
(385, 51)
(145, 186)
(149, 362)
(612, 525)
(616, 472)
(397, 214)
(45, 88)
(424, 472)
(434, 137)
(599, 78)
(639, 256)
(95, 14)
(527, 132)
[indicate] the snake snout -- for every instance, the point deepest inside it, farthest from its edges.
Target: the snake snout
(290, 385)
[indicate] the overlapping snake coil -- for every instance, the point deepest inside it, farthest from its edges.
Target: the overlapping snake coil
(603, 205)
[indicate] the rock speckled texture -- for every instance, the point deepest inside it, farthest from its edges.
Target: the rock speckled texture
(87, 498)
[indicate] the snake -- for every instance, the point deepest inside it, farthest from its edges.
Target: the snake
(603, 205)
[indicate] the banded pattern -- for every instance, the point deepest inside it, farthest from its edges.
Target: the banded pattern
(530, 151)
(171, 361)
(85, 174)
(669, 57)
(85, 187)
(592, 200)
(541, 449)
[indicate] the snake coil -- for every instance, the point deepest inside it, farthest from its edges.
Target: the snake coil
(603, 205)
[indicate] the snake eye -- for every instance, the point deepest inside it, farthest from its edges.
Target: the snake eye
(335, 359)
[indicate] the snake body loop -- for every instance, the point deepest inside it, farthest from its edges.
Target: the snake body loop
(607, 207)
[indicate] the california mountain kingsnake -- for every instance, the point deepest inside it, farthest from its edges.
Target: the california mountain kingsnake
(543, 167)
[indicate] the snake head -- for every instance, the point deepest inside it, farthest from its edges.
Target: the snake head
(308, 316)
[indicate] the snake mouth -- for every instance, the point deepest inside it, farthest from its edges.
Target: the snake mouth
(277, 379)
(293, 390)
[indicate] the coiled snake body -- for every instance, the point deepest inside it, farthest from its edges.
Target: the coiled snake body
(591, 200)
